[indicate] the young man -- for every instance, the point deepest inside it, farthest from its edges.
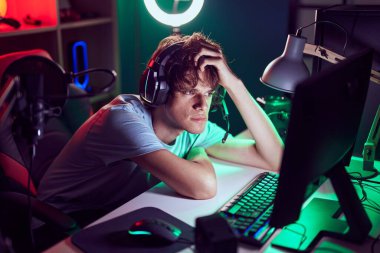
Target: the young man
(109, 159)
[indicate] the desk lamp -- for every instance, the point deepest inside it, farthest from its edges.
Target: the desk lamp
(287, 70)
(175, 19)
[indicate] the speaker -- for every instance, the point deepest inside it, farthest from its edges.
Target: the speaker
(213, 234)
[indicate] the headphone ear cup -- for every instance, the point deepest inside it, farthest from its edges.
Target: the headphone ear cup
(154, 89)
(162, 93)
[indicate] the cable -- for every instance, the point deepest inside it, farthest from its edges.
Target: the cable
(29, 196)
(371, 204)
(191, 146)
(371, 181)
(365, 178)
(299, 31)
(303, 234)
(225, 114)
(374, 204)
(373, 188)
(372, 208)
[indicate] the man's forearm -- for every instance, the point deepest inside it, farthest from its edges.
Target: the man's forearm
(268, 143)
(194, 178)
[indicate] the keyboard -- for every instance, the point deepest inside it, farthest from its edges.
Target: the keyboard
(248, 212)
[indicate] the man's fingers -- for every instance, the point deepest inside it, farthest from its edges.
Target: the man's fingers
(207, 53)
(208, 61)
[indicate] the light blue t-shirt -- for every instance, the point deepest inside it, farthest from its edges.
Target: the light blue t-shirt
(94, 170)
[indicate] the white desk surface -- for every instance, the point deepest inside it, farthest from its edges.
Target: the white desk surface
(231, 179)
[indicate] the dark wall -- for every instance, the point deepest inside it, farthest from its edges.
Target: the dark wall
(362, 24)
(252, 33)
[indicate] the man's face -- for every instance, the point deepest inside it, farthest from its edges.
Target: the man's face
(188, 110)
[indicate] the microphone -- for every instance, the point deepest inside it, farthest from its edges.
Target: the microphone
(44, 90)
(34, 84)
(224, 110)
(218, 101)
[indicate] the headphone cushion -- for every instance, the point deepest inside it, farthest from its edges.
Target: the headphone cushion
(153, 91)
(154, 88)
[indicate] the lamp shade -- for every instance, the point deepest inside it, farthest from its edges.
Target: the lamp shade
(286, 71)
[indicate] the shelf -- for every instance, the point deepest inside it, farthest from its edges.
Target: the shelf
(27, 30)
(84, 23)
(97, 28)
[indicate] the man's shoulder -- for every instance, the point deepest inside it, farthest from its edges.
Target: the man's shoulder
(128, 103)
(125, 109)
(123, 99)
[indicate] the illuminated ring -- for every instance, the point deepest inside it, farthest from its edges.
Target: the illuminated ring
(175, 20)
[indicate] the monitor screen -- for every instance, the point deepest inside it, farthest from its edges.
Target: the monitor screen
(325, 116)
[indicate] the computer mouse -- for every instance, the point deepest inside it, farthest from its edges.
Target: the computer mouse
(154, 230)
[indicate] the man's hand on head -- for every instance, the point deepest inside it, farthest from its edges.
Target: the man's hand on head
(210, 57)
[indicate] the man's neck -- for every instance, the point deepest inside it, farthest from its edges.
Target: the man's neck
(164, 131)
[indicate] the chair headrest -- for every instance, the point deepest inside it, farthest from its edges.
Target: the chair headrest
(37, 61)
(7, 59)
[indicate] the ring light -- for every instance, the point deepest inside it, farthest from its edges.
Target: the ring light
(174, 20)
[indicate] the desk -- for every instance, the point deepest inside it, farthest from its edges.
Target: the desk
(231, 178)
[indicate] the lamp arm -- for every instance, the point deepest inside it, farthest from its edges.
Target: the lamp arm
(332, 57)
(369, 150)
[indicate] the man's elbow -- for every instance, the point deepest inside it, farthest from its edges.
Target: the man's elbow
(202, 195)
(206, 190)
(274, 164)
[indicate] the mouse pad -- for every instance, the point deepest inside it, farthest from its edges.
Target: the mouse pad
(112, 235)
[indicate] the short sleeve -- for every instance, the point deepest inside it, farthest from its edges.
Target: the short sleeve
(122, 132)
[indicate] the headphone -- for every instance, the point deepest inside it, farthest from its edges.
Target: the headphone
(154, 88)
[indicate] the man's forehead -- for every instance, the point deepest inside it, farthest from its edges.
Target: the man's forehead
(200, 86)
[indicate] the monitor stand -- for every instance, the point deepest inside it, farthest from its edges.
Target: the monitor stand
(320, 217)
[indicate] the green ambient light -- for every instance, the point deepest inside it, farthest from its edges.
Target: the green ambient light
(177, 232)
(139, 232)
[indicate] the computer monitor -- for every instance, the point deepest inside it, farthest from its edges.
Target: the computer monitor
(325, 116)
